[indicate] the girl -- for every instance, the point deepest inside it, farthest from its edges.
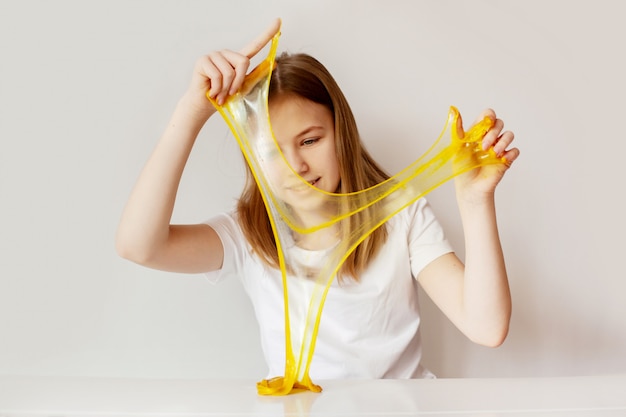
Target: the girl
(370, 326)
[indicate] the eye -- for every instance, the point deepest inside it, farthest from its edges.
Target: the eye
(309, 141)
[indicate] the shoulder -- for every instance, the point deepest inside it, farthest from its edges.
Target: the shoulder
(238, 254)
(418, 229)
(417, 215)
(227, 226)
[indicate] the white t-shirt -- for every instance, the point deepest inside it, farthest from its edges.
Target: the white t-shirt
(368, 329)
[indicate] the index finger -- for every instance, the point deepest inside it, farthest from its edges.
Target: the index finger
(256, 45)
(486, 113)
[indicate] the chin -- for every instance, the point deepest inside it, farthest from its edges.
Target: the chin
(310, 201)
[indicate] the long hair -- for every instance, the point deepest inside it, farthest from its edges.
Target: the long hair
(304, 76)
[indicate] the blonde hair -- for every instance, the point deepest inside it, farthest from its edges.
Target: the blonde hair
(304, 76)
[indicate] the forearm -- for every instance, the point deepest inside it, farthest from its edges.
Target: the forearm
(145, 221)
(486, 294)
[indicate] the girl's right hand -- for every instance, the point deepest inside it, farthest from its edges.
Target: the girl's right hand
(222, 73)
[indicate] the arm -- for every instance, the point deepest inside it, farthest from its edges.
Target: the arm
(476, 296)
(144, 234)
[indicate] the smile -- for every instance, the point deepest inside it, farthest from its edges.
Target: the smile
(301, 187)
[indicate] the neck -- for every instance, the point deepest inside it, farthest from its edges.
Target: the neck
(319, 240)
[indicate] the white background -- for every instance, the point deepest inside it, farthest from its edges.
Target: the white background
(86, 87)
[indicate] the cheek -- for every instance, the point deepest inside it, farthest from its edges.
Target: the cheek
(334, 170)
(278, 174)
(332, 156)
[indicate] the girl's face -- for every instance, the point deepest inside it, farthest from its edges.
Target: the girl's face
(305, 133)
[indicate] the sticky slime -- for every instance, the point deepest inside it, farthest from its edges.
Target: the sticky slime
(247, 115)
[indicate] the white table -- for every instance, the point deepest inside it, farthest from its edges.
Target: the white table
(598, 396)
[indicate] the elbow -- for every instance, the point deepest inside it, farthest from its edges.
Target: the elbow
(124, 250)
(132, 251)
(490, 331)
(493, 338)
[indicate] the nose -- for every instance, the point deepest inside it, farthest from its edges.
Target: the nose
(297, 162)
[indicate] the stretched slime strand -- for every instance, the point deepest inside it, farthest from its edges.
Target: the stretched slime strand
(247, 115)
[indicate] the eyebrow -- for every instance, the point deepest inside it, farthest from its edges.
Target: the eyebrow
(309, 130)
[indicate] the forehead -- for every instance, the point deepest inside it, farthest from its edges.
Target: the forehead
(290, 114)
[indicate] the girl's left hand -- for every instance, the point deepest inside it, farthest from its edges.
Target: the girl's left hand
(480, 183)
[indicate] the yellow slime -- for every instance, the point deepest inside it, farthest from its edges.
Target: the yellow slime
(247, 115)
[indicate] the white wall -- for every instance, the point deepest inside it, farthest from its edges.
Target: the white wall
(86, 88)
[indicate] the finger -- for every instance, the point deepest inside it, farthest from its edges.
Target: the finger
(492, 135)
(240, 64)
(256, 45)
(485, 113)
(503, 142)
(510, 156)
(209, 73)
(459, 126)
(222, 78)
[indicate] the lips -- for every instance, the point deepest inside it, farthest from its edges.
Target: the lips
(300, 186)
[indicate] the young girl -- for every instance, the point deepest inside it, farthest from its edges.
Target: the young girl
(370, 326)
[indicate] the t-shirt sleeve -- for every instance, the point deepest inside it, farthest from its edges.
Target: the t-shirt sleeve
(233, 242)
(427, 240)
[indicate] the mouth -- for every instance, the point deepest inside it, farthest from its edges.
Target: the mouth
(301, 187)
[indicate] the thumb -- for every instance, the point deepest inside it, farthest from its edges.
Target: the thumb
(460, 133)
